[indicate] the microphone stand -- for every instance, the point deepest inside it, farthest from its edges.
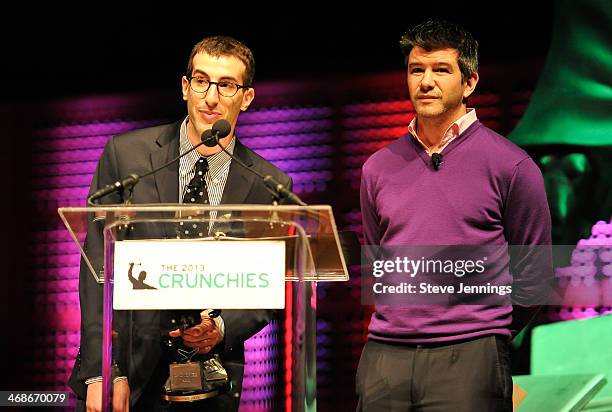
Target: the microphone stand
(128, 183)
(211, 138)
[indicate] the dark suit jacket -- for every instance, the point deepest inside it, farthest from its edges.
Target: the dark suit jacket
(138, 152)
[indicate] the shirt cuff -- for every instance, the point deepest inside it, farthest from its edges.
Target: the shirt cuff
(99, 379)
(218, 320)
(221, 326)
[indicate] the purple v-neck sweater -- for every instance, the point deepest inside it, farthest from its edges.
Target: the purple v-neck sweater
(487, 191)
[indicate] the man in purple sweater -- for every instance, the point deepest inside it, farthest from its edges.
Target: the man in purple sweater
(450, 181)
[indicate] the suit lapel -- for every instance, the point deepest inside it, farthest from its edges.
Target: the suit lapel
(166, 180)
(239, 181)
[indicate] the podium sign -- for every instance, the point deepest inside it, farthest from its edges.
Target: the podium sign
(191, 274)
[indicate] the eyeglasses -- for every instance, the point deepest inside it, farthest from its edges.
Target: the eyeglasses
(226, 89)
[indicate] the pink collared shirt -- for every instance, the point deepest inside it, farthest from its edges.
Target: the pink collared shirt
(454, 130)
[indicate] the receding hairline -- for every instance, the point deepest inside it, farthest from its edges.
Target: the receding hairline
(445, 60)
(220, 45)
(194, 69)
(434, 50)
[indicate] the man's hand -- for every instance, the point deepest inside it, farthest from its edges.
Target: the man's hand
(203, 336)
(121, 397)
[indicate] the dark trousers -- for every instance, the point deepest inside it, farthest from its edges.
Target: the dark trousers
(459, 377)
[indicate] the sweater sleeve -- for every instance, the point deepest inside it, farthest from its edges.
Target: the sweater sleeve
(369, 215)
(527, 228)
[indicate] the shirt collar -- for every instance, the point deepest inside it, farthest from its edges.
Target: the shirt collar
(214, 161)
(454, 130)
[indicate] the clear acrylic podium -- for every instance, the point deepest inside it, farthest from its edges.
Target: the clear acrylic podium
(312, 254)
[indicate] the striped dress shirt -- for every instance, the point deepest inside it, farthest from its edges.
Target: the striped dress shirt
(218, 167)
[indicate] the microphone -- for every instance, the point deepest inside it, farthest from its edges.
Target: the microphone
(222, 128)
(219, 130)
(436, 160)
(129, 183)
(118, 186)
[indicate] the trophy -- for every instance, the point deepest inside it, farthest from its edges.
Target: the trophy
(193, 376)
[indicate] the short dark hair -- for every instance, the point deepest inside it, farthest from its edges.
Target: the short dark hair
(439, 34)
(225, 46)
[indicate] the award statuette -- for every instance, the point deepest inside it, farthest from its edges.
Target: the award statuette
(193, 376)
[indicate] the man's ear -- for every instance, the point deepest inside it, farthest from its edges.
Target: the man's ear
(247, 98)
(185, 87)
(470, 85)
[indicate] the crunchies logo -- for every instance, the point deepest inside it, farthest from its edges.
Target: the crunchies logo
(140, 282)
(184, 276)
(220, 280)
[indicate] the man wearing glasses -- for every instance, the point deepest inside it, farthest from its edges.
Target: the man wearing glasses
(217, 86)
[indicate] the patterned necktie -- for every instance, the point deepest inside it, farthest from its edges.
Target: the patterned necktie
(195, 192)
